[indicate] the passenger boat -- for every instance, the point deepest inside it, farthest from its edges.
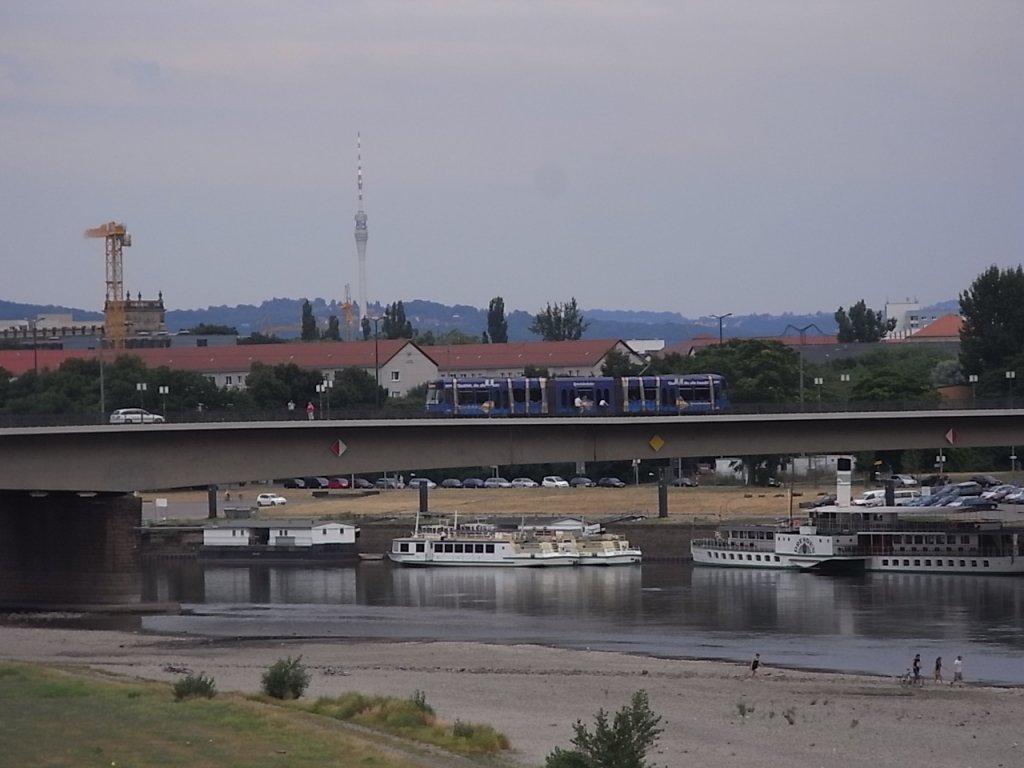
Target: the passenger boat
(606, 549)
(839, 539)
(478, 544)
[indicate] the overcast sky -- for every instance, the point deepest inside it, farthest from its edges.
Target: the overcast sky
(701, 157)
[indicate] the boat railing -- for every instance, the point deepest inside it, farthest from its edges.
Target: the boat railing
(758, 545)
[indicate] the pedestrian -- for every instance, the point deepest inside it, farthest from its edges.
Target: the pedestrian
(938, 669)
(291, 409)
(916, 666)
(310, 410)
(958, 671)
(755, 664)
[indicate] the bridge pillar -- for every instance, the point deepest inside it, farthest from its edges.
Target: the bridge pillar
(61, 549)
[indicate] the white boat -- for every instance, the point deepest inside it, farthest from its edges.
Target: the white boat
(478, 544)
(854, 539)
(606, 549)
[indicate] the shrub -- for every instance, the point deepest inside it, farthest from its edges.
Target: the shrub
(192, 686)
(621, 744)
(286, 679)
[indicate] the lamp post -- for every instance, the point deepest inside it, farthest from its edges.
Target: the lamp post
(328, 386)
(1010, 376)
(164, 390)
(720, 318)
(973, 379)
(376, 361)
(141, 388)
(320, 391)
(803, 338)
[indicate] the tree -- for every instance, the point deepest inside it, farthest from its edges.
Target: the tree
(993, 328)
(618, 363)
(562, 322)
(364, 326)
(333, 332)
(271, 387)
(621, 744)
(309, 332)
(261, 338)
(757, 371)
(395, 325)
(862, 324)
(497, 323)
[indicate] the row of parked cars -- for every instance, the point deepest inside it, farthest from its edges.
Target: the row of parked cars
(549, 481)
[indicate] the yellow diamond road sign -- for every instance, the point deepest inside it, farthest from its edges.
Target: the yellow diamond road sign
(656, 443)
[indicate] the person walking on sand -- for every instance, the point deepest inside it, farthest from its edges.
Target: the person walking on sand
(916, 667)
(938, 669)
(958, 670)
(755, 664)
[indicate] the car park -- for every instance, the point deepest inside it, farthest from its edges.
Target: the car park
(474, 482)
(135, 416)
(581, 482)
(451, 482)
(610, 482)
(270, 500)
(523, 482)
(495, 482)
(554, 481)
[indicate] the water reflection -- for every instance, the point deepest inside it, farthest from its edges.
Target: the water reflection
(868, 622)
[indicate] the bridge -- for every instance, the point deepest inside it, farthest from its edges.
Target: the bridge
(70, 524)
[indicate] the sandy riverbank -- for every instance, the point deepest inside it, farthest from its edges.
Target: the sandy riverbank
(714, 714)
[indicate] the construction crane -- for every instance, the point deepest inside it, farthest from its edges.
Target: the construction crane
(116, 237)
(346, 308)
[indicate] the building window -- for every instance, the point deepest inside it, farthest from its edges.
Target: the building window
(227, 379)
(396, 375)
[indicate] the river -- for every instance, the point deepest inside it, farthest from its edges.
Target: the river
(871, 623)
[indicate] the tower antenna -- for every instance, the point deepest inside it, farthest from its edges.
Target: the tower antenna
(362, 233)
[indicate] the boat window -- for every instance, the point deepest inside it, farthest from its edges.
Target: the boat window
(974, 563)
(965, 539)
(928, 563)
(776, 558)
(949, 563)
(419, 547)
(758, 558)
(490, 549)
(963, 563)
(885, 562)
(906, 562)
(917, 563)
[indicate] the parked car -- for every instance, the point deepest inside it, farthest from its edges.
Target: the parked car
(554, 481)
(337, 482)
(523, 482)
(610, 482)
(495, 482)
(294, 482)
(451, 482)
(386, 482)
(771, 482)
(581, 482)
(986, 481)
(685, 482)
(362, 483)
(473, 482)
(973, 502)
(826, 499)
(270, 500)
(135, 416)
(904, 481)
(416, 482)
(317, 482)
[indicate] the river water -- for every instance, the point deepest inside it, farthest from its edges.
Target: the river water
(872, 622)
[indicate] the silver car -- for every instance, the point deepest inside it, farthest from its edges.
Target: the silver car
(135, 416)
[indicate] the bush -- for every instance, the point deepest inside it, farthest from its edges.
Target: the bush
(621, 744)
(286, 679)
(192, 686)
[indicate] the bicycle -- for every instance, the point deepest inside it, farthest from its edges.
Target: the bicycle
(907, 679)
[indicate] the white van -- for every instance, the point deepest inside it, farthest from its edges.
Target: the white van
(876, 498)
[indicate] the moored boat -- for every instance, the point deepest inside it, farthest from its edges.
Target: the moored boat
(478, 544)
(606, 549)
(844, 539)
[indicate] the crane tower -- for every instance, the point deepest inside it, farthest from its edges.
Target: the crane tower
(116, 237)
(362, 233)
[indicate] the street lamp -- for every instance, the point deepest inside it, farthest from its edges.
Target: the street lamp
(324, 388)
(720, 318)
(320, 391)
(803, 339)
(845, 379)
(973, 379)
(141, 388)
(164, 390)
(1010, 376)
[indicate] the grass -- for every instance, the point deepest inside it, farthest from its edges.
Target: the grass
(59, 718)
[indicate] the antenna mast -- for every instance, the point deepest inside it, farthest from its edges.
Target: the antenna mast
(362, 233)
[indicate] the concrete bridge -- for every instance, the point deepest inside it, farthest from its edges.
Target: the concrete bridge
(69, 523)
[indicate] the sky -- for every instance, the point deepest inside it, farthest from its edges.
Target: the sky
(669, 155)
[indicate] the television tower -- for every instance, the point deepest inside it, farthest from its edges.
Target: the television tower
(362, 234)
